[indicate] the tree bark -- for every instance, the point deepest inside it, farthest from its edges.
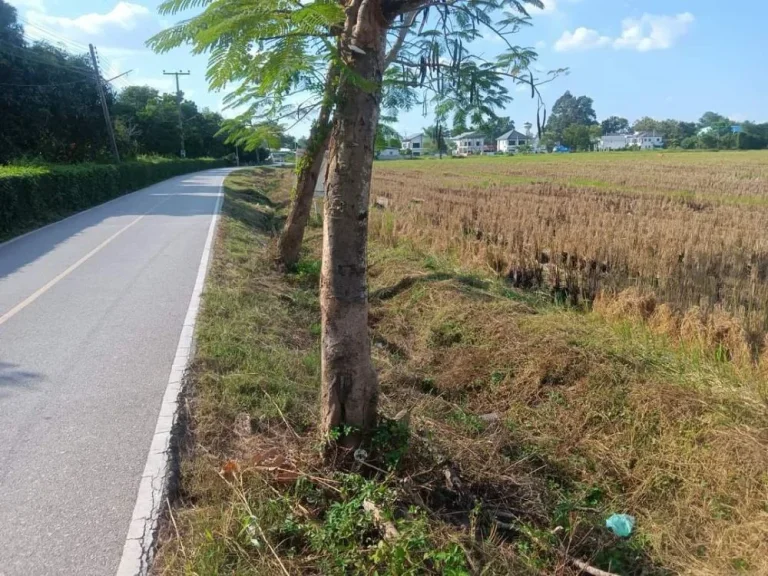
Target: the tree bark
(349, 382)
(307, 172)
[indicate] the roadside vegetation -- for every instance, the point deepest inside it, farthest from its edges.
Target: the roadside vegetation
(34, 195)
(513, 423)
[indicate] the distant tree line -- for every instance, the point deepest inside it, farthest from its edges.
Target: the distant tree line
(50, 109)
(573, 122)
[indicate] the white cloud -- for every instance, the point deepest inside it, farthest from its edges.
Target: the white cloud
(651, 32)
(125, 15)
(540, 45)
(581, 39)
(550, 7)
(36, 5)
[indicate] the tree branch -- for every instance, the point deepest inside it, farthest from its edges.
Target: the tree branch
(393, 52)
(393, 8)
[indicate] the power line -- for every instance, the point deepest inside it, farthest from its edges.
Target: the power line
(72, 69)
(119, 82)
(105, 60)
(111, 68)
(59, 48)
(108, 68)
(51, 34)
(27, 54)
(118, 77)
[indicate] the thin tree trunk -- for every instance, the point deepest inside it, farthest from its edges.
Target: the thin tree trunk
(349, 382)
(307, 172)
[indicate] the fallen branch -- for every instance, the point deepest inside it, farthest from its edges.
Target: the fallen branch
(390, 532)
(584, 567)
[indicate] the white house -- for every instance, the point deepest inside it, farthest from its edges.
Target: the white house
(512, 140)
(612, 142)
(646, 140)
(641, 140)
(469, 143)
(389, 154)
(414, 144)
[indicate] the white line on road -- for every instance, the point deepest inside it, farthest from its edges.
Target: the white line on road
(153, 487)
(21, 305)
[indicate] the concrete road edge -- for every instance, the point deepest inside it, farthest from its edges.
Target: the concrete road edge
(139, 547)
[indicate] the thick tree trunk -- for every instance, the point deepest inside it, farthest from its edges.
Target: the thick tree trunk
(349, 382)
(307, 172)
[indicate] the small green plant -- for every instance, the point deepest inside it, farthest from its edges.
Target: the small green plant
(467, 420)
(446, 334)
(351, 540)
(340, 432)
(308, 271)
(390, 441)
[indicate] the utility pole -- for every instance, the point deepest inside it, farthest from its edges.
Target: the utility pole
(178, 105)
(104, 108)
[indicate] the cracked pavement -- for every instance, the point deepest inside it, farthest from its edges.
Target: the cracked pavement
(84, 367)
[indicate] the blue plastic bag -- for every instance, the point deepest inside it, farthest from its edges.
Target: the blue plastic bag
(620, 524)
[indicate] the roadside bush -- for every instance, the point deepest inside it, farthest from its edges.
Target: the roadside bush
(31, 196)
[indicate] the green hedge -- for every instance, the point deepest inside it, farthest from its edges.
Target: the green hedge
(36, 195)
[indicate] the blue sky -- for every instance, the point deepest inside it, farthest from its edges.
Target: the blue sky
(660, 58)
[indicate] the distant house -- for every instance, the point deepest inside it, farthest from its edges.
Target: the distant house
(414, 145)
(612, 142)
(642, 140)
(512, 141)
(645, 140)
(389, 154)
(469, 143)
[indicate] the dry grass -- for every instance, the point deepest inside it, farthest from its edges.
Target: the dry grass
(511, 428)
(656, 397)
(688, 227)
(589, 416)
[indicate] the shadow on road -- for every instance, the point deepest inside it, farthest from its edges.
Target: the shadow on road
(12, 377)
(199, 192)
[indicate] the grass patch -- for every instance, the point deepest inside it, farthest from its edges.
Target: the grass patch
(511, 427)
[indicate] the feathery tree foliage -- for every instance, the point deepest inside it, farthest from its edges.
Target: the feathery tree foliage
(347, 60)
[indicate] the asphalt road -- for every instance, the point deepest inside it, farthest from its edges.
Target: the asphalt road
(91, 310)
